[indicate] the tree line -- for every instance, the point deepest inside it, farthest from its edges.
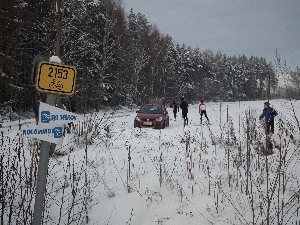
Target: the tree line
(121, 59)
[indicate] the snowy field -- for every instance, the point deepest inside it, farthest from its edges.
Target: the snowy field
(107, 172)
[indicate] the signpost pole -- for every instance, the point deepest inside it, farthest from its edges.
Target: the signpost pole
(42, 174)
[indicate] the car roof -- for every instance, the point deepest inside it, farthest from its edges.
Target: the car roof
(162, 98)
(157, 101)
(154, 103)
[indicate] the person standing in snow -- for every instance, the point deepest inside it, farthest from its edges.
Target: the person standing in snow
(69, 104)
(35, 108)
(268, 113)
(202, 110)
(184, 108)
(175, 108)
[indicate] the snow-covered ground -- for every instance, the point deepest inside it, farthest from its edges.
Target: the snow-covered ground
(198, 174)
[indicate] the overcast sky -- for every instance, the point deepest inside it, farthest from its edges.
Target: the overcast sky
(233, 27)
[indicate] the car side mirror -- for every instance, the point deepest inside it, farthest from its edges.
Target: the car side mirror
(137, 111)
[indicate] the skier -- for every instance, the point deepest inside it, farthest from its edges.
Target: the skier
(175, 108)
(202, 110)
(184, 107)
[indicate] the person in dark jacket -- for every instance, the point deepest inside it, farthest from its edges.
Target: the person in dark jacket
(69, 104)
(175, 108)
(184, 108)
(268, 113)
(36, 107)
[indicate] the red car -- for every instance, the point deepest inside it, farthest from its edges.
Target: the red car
(152, 115)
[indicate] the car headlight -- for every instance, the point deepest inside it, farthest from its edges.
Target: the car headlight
(137, 118)
(159, 119)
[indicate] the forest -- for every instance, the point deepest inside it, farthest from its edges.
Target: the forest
(120, 59)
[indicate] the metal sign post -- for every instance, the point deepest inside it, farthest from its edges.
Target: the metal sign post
(42, 174)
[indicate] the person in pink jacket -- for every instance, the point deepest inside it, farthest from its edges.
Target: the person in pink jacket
(202, 110)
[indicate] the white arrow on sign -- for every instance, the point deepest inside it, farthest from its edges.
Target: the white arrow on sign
(51, 116)
(52, 135)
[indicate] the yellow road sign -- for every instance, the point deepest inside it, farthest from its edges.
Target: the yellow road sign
(56, 78)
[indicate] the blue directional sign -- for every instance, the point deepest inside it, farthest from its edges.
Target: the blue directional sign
(51, 116)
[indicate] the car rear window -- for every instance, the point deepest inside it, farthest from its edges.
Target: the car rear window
(151, 109)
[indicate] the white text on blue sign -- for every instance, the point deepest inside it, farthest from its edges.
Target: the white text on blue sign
(57, 132)
(46, 117)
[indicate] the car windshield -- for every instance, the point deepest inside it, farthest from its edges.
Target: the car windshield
(151, 109)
